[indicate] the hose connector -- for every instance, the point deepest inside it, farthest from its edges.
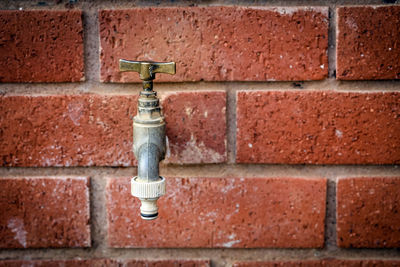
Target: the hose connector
(148, 193)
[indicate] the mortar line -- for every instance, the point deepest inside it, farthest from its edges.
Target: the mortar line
(215, 171)
(233, 254)
(231, 125)
(99, 235)
(332, 42)
(330, 216)
(328, 85)
(92, 43)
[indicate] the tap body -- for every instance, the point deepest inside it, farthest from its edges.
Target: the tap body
(148, 136)
(149, 148)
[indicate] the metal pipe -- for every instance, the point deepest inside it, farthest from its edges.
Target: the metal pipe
(148, 159)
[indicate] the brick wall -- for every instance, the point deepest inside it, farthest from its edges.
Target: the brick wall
(283, 127)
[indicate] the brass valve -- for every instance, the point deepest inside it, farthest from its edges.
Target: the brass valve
(149, 142)
(147, 69)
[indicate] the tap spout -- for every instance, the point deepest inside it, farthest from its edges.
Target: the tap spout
(148, 161)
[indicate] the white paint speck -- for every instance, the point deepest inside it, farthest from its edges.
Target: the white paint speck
(250, 145)
(390, 49)
(351, 23)
(230, 243)
(227, 188)
(372, 191)
(322, 66)
(212, 214)
(188, 111)
(290, 66)
(75, 112)
(338, 133)
(17, 227)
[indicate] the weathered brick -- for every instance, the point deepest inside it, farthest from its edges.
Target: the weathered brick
(358, 263)
(221, 212)
(105, 263)
(60, 263)
(166, 263)
(41, 46)
(96, 130)
(305, 263)
(368, 42)
(66, 130)
(44, 212)
(368, 212)
(326, 262)
(314, 127)
(196, 127)
(218, 43)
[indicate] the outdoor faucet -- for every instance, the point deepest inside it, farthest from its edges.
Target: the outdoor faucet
(148, 136)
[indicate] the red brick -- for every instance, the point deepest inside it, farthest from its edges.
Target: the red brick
(44, 212)
(73, 130)
(94, 130)
(368, 212)
(196, 127)
(358, 263)
(327, 262)
(218, 43)
(105, 263)
(222, 212)
(61, 263)
(166, 263)
(314, 127)
(41, 46)
(368, 43)
(297, 263)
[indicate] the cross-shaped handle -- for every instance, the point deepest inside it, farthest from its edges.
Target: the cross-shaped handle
(147, 69)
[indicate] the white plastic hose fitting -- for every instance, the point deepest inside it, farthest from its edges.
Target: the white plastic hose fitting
(148, 193)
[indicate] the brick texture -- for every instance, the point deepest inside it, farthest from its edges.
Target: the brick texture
(105, 263)
(368, 212)
(317, 263)
(44, 212)
(166, 263)
(196, 127)
(222, 212)
(59, 263)
(318, 127)
(41, 46)
(303, 263)
(94, 130)
(368, 43)
(218, 43)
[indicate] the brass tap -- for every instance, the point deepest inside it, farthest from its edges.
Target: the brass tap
(148, 136)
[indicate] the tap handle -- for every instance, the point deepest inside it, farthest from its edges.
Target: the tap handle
(147, 69)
